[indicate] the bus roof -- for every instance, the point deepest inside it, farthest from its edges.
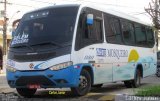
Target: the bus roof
(102, 8)
(54, 6)
(116, 13)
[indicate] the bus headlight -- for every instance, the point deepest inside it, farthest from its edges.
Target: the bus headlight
(61, 65)
(10, 69)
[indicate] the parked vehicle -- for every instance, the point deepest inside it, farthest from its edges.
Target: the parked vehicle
(158, 64)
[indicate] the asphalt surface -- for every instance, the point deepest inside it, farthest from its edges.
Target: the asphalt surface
(107, 92)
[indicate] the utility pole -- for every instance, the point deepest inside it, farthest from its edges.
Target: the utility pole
(156, 22)
(154, 11)
(156, 14)
(5, 29)
(4, 33)
(5, 19)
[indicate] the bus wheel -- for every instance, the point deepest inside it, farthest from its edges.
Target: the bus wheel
(26, 92)
(98, 85)
(85, 84)
(137, 80)
(158, 72)
(128, 84)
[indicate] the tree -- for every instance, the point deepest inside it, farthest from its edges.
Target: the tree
(154, 11)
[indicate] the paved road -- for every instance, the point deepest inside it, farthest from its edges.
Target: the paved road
(108, 91)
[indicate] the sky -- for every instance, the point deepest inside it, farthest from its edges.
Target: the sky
(132, 7)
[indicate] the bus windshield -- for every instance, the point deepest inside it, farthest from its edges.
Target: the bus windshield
(51, 25)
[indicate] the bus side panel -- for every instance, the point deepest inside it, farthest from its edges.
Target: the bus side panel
(148, 60)
(103, 73)
(102, 70)
(123, 71)
(149, 67)
(124, 68)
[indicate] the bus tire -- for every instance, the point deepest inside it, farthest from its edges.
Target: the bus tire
(158, 72)
(137, 80)
(26, 92)
(85, 84)
(128, 84)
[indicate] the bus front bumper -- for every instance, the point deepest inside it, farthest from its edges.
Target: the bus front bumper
(68, 77)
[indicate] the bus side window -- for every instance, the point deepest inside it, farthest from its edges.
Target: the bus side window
(80, 30)
(112, 29)
(150, 37)
(89, 34)
(94, 32)
(128, 32)
(140, 34)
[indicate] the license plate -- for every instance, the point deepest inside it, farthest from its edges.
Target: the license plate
(34, 86)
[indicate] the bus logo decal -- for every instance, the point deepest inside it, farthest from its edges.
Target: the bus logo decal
(101, 52)
(117, 53)
(133, 56)
(31, 66)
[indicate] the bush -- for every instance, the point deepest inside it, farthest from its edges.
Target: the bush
(149, 91)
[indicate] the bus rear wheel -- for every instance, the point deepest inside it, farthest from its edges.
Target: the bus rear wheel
(136, 82)
(26, 92)
(158, 72)
(84, 85)
(128, 84)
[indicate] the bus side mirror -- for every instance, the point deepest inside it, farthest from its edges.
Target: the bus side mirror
(89, 19)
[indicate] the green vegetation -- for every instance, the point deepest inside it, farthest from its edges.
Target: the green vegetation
(149, 91)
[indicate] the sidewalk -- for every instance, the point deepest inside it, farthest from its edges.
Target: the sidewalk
(2, 73)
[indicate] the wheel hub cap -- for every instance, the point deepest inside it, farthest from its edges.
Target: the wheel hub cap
(83, 82)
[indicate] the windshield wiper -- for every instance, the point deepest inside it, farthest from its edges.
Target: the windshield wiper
(24, 45)
(48, 42)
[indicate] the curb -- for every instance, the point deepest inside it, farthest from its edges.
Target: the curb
(107, 98)
(125, 97)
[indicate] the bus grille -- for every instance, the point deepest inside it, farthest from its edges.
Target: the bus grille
(35, 57)
(42, 80)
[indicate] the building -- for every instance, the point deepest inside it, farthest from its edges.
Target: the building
(9, 37)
